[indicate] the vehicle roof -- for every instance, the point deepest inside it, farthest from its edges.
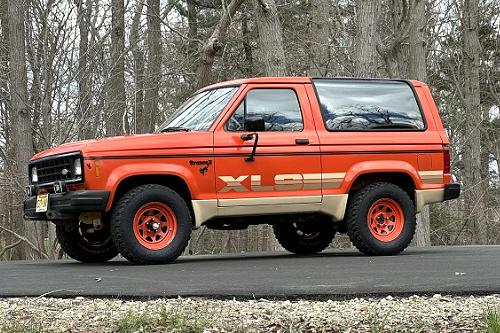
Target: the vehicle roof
(289, 79)
(268, 79)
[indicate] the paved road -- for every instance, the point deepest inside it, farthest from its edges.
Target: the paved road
(333, 274)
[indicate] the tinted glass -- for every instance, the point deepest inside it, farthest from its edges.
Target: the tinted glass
(368, 105)
(278, 107)
(200, 110)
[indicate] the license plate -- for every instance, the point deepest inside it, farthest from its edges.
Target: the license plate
(42, 203)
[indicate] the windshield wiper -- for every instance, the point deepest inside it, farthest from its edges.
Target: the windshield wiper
(175, 129)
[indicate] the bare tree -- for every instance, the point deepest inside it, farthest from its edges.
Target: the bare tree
(474, 194)
(84, 11)
(192, 15)
(138, 70)
(116, 93)
(154, 64)
(271, 50)
(417, 44)
(392, 47)
(319, 48)
(215, 43)
(365, 55)
(418, 71)
(246, 43)
(20, 116)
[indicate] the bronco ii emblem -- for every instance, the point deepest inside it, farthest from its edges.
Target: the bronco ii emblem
(205, 163)
(284, 182)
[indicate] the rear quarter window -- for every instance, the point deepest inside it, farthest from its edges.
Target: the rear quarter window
(362, 105)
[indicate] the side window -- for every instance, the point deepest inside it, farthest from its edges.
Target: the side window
(279, 108)
(359, 105)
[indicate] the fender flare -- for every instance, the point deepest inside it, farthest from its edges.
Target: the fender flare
(386, 166)
(119, 174)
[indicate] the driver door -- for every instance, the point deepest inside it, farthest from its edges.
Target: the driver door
(286, 167)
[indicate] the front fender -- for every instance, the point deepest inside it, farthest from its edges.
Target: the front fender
(125, 171)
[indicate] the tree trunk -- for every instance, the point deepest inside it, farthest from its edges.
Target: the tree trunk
(215, 44)
(392, 47)
(153, 70)
(272, 52)
(365, 56)
(4, 66)
(473, 194)
(192, 13)
(83, 76)
(417, 59)
(247, 47)
(418, 71)
(116, 93)
(319, 36)
(6, 207)
(19, 116)
(138, 59)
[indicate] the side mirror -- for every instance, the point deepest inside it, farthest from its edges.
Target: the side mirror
(254, 124)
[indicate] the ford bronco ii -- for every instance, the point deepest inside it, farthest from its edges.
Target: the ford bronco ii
(311, 157)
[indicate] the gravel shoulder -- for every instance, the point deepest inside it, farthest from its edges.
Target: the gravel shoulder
(390, 314)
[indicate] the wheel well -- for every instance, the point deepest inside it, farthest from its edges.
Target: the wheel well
(174, 182)
(400, 179)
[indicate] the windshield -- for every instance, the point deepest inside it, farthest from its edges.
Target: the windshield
(200, 111)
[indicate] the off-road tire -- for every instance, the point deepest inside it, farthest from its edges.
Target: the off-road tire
(122, 220)
(357, 219)
(289, 236)
(77, 247)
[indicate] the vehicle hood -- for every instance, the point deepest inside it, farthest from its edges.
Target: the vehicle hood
(130, 145)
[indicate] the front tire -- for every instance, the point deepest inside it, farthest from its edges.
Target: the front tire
(151, 224)
(381, 219)
(83, 243)
(305, 237)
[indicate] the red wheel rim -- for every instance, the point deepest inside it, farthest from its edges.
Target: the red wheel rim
(155, 225)
(386, 220)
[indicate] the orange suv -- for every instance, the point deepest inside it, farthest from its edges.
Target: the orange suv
(310, 156)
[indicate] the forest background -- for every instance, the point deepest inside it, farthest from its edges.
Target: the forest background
(79, 69)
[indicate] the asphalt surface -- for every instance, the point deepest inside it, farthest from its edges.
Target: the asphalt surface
(333, 274)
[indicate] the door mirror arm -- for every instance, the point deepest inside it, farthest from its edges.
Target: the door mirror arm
(249, 136)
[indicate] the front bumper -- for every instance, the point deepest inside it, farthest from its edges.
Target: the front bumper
(67, 206)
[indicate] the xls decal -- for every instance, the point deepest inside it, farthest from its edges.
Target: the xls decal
(283, 182)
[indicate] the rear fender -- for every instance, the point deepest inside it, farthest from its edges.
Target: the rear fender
(386, 166)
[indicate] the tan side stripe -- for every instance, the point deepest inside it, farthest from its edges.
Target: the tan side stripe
(332, 180)
(431, 177)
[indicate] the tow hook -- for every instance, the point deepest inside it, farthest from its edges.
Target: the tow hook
(92, 218)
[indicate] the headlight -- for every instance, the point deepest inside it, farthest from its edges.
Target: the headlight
(34, 175)
(78, 167)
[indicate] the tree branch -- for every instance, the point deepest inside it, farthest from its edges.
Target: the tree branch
(24, 239)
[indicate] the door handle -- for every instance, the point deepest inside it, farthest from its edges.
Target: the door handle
(301, 141)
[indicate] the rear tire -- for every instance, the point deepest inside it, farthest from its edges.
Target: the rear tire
(151, 224)
(305, 237)
(381, 219)
(85, 246)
